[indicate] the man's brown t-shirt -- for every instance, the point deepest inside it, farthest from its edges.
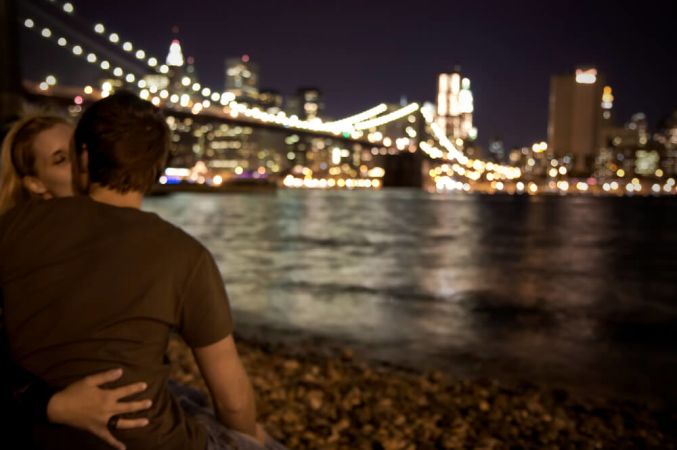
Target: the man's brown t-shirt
(89, 287)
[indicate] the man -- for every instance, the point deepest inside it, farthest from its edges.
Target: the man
(92, 283)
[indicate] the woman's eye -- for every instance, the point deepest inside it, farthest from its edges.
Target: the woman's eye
(60, 159)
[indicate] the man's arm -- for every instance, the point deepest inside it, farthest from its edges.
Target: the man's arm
(205, 323)
(228, 384)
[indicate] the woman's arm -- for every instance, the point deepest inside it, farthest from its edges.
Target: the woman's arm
(83, 404)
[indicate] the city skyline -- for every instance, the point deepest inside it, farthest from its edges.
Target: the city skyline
(513, 106)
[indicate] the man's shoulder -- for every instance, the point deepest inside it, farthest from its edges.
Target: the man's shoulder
(82, 215)
(167, 230)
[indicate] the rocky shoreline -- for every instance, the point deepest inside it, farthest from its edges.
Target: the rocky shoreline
(326, 398)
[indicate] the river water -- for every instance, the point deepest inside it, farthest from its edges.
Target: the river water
(569, 291)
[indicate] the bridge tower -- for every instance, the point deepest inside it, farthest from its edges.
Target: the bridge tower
(403, 169)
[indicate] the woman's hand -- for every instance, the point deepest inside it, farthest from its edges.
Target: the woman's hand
(85, 405)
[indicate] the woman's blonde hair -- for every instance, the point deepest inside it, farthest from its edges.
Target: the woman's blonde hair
(18, 158)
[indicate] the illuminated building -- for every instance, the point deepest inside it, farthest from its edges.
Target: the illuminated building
(607, 105)
(175, 63)
(175, 55)
(533, 162)
(647, 158)
(666, 136)
(311, 102)
(179, 80)
(576, 117)
(455, 106)
(630, 150)
(667, 131)
(646, 162)
(639, 125)
(497, 149)
(242, 79)
(306, 104)
(270, 100)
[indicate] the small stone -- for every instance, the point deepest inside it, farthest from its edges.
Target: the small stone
(315, 399)
(436, 376)
(347, 354)
(291, 365)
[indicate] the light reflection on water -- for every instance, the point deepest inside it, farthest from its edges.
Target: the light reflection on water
(573, 290)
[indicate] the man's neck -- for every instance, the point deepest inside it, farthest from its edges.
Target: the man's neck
(131, 199)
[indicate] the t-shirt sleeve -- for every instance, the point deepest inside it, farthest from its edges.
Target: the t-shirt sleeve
(205, 316)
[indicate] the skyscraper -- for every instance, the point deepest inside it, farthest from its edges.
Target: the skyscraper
(170, 80)
(242, 79)
(306, 103)
(175, 55)
(455, 107)
(576, 117)
(310, 99)
(271, 100)
(667, 136)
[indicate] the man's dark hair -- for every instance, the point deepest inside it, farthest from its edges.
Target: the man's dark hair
(127, 140)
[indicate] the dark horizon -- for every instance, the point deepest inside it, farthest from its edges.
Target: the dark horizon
(360, 55)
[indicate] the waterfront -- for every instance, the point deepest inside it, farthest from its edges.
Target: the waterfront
(574, 291)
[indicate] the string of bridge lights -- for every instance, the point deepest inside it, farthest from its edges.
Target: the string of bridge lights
(128, 47)
(390, 117)
(184, 100)
(114, 38)
(359, 117)
(474, 168)
(351, 126)
(78, 50)
(347, 125)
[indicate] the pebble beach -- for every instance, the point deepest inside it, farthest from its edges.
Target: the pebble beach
(328, 398)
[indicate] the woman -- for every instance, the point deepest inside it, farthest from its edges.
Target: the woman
(35, 161)
(36, 165)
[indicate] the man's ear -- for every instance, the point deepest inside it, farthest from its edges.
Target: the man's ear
(79, 171)
(84, 160)
(35, 186)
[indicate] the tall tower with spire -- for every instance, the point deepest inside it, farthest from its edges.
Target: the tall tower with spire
(175, 55)
(174, 78)
(182, 74)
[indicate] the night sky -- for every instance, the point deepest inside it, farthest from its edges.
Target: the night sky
(360, 53)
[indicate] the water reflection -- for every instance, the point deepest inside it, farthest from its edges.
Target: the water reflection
(571, 290)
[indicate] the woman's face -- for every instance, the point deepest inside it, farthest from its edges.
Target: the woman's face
(52, 162)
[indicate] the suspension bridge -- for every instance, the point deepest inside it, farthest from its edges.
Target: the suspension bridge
(125, 64)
